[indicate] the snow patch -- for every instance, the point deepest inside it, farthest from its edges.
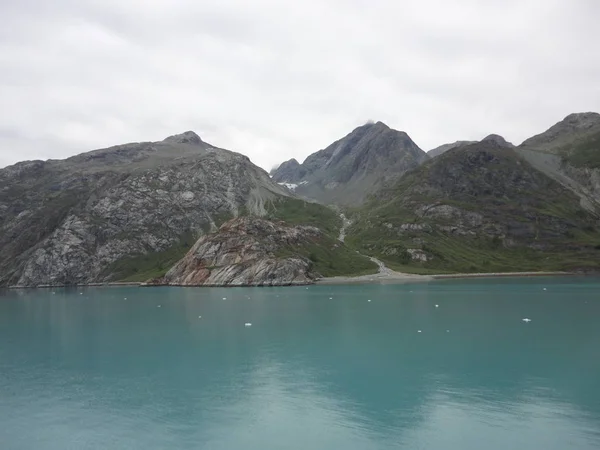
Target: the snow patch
(290, 186)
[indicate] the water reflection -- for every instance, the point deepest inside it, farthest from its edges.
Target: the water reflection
(310, 373)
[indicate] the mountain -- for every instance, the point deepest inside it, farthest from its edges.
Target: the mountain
(444, 148)
(129, 212)
(569, 152)
(251, 251)
(352, 167)
(478, 208)
(498, 140)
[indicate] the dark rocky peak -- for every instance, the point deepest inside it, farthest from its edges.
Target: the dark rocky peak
(498, 140)
(189, 137)
(288, 172)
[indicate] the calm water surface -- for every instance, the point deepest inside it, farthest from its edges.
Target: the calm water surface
(320, 368)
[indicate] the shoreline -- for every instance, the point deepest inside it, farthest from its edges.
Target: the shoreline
(507, 275)
(387, 277)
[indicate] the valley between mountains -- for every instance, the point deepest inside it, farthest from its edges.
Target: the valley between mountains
(185, 212)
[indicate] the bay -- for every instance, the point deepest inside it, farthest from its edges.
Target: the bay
(319, 367)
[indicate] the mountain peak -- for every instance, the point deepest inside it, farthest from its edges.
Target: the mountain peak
(582, 120)
(559, 136)
(188, 137)
(288, 171)
(496, 138)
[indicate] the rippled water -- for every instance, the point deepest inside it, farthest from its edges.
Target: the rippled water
(320, 368)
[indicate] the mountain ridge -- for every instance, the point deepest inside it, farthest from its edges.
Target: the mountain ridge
(353, 166)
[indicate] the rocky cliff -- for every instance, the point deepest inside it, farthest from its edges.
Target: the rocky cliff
(481, 207)
(247, 251)
(123, 213)
(351, 168)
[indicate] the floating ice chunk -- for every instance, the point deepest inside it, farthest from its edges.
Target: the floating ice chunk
(199, 317)
(447, 331)
(247, 324)
(437, 306)
(158, 306)
(419, 331)
(125, 298)
(369, 300)
(224, 298)
(526, 320)
(544, 289)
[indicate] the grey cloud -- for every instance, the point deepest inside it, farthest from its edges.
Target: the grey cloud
(279, 79)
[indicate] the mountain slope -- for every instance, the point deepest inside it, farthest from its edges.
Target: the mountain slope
(94, 216)
(349, 169)
(478, 208)
(569, 152)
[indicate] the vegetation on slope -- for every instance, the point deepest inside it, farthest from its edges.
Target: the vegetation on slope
(585, 153)
(478, 209)
(329, 256)
(150, 265)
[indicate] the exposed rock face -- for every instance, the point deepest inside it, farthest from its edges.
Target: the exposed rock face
(474, 206)
(356, 165)
(246, 252)
(67, 222)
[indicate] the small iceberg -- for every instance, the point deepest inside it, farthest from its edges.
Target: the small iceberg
(247, 324)
(419, 331)
(369, 300)
(437, 306)
(158, 306)
(224, 298)
(526, 320)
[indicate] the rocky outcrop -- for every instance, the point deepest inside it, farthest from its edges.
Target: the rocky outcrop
(247, 251)
(353, 167)
(77, 220)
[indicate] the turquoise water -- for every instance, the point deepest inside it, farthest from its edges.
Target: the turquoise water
(320, 368)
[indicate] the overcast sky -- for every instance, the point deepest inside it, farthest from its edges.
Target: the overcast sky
(277, 79)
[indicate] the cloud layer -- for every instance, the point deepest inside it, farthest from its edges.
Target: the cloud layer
(276, 79)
